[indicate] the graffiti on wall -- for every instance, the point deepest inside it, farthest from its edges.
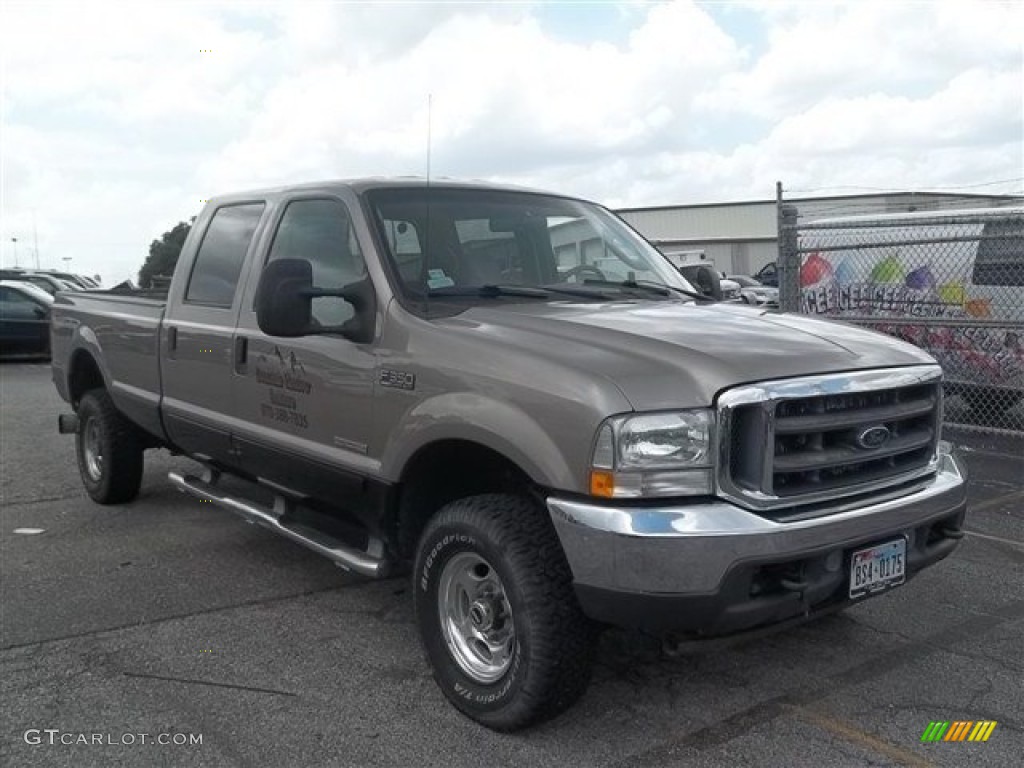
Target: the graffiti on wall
(886, 288)
(991, 357)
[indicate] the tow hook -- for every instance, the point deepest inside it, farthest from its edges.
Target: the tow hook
(797, 583)
(952, 533)
(67, 423)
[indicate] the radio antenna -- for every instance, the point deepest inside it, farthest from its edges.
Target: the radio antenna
(427, 236)
(430, 116)
(35, 239)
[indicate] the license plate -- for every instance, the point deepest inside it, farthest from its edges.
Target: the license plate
(879, 567)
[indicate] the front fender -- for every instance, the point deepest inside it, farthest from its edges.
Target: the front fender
(497, 425)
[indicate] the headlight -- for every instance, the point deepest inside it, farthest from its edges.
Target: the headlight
(654, 454)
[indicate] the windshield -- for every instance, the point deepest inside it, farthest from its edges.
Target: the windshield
(468, 238)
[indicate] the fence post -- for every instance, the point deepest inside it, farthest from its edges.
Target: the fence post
(789, 259)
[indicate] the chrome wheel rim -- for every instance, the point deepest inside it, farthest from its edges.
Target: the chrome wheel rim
(476, 618)
(92, 447)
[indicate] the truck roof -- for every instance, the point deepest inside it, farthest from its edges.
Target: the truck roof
(364, 184)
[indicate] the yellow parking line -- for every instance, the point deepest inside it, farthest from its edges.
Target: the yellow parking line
(855, 735)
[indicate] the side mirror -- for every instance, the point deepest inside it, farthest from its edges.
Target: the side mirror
(705, 280)
(284, 303)
(283, 300)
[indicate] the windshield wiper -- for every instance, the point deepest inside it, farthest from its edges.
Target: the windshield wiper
(492, 291)
(661, 289)
(681, 291)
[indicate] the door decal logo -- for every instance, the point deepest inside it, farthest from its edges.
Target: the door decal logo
(283, 374)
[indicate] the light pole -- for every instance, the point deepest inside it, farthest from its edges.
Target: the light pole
(15, 241)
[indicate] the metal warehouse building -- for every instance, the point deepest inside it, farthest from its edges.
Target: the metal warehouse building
(741, 237)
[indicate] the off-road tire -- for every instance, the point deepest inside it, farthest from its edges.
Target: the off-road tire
(553, 654)
(120, 473)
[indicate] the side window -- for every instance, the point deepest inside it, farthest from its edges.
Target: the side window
(1000, 259)
(13, 296)
(16, 305)
(320, 231)
(221, 255)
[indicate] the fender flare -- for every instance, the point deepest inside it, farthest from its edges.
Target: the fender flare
(475, 418)
(85, 342)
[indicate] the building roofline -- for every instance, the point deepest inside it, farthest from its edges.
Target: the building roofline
(824, 198)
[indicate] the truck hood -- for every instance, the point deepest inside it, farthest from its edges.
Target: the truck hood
(674, 354)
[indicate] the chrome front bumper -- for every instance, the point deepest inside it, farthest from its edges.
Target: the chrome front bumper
(689, 549)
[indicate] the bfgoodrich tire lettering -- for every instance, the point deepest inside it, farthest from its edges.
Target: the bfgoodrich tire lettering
(110, 455)
(551, 661)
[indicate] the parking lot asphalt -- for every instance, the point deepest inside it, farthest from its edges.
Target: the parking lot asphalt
(166, 616)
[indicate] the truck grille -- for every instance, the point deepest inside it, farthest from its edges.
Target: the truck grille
(805, 440)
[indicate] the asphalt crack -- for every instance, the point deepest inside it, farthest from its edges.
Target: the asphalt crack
(211, 683)
(176, 617)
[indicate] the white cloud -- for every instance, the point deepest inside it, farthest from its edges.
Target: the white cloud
(115, 124)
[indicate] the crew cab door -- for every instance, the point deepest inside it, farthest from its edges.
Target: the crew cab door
(304, 406)
(199, 324)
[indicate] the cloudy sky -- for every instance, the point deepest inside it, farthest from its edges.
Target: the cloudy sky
(118, 119)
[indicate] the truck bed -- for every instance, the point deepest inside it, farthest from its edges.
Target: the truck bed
(122, 331)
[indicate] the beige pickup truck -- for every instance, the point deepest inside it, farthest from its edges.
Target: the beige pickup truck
(515, 399)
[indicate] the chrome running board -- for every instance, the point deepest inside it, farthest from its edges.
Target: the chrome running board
(348, 557)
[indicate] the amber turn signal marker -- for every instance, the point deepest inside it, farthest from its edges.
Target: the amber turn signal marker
(602, 484)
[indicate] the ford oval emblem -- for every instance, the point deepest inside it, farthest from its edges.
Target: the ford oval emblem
(873, 437)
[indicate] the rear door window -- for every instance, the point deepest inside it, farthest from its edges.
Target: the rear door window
(221, 255)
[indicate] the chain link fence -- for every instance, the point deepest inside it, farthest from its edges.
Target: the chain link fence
(951, 282)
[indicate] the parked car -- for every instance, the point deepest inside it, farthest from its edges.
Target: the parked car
(82, 281)
(731, 290)
(753, 292)
(708, 282)
(24, 318)
(49, 283)
(425, 386)
(768, 275)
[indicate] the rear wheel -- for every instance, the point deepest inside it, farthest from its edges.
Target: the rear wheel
(507, 641)
(110, 454)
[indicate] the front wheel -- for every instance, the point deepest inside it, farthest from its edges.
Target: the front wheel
(110, 454)
(504, 635)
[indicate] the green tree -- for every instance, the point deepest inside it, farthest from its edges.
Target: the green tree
(163, 253)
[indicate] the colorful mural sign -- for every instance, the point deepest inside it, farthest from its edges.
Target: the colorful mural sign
(881, 286)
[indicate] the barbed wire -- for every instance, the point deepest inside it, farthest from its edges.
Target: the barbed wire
(854, 209)
(908, 189)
